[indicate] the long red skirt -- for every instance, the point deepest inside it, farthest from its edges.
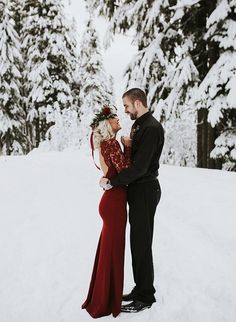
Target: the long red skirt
(106, 286)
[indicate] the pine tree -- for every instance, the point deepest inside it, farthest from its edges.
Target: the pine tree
(217, 90)
(225, 148)
(192, 17)
(75, 67)
(163, 66)
(12, 116)
(50, 59)
(18, 17)
(95, 86)
(17, 10)
(176, 53)
(65, 133)
(204, 57)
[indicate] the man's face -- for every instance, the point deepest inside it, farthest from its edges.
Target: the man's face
(130, 108)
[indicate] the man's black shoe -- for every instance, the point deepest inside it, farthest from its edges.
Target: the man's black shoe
(135, 306)
(128, 297)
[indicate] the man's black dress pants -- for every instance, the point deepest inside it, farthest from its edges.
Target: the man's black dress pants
(143, 199)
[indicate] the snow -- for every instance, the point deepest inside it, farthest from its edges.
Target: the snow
(209, 91)
(184, 3)
(220, 13)
(49, 229)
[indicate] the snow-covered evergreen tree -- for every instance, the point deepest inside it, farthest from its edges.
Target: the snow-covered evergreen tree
(75, 67)
(17, 10)
(225, 149)
(163, 66)
(217, 91)
(12, 116)
(65, 133)
(50, 58)
(95, 85)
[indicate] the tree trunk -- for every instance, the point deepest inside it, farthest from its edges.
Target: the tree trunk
(199, 138)
(204, 138)
(7, 142)
(206, 58)
(37, 132)
(210, 146)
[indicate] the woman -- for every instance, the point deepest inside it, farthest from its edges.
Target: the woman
(106, 286)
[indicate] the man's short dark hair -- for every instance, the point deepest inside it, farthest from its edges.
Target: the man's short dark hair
(136, 94)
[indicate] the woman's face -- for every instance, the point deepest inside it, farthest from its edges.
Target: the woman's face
(115, 125)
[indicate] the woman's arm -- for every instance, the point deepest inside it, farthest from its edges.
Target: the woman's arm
(119, 159)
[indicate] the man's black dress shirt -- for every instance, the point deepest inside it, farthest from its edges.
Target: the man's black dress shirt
(147, 142)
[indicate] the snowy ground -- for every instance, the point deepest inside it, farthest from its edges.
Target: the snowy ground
(49, 228)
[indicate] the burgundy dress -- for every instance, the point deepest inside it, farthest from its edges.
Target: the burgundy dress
(106, 286)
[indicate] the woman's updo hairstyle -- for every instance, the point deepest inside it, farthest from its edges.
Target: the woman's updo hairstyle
(101, 127)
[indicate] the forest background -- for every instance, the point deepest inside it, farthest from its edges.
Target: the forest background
(60, 61)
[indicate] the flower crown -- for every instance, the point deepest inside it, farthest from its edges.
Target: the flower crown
(106, 113)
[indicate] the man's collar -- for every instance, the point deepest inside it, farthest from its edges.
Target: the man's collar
(141, 119)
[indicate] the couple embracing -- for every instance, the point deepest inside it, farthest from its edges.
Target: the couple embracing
(129, 176)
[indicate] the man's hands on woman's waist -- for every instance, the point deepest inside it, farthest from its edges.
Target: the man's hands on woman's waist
(105, 183)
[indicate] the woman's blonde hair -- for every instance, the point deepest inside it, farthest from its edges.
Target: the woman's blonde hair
(102, 132)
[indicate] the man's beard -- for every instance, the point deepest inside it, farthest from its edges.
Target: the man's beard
(133, 116)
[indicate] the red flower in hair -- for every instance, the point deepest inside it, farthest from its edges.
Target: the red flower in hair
(106, 110)
(105, 113)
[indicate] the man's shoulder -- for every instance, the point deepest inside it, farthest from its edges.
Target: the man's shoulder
(153, 123)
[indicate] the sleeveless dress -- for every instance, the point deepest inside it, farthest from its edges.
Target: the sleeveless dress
(106, 286)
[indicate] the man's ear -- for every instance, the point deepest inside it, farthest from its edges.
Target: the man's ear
(137, 104)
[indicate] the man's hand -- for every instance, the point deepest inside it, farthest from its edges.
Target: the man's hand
(103, 182)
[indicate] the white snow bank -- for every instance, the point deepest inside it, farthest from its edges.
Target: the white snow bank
(49, 229)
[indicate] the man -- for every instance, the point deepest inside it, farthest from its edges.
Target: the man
(143, 195)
